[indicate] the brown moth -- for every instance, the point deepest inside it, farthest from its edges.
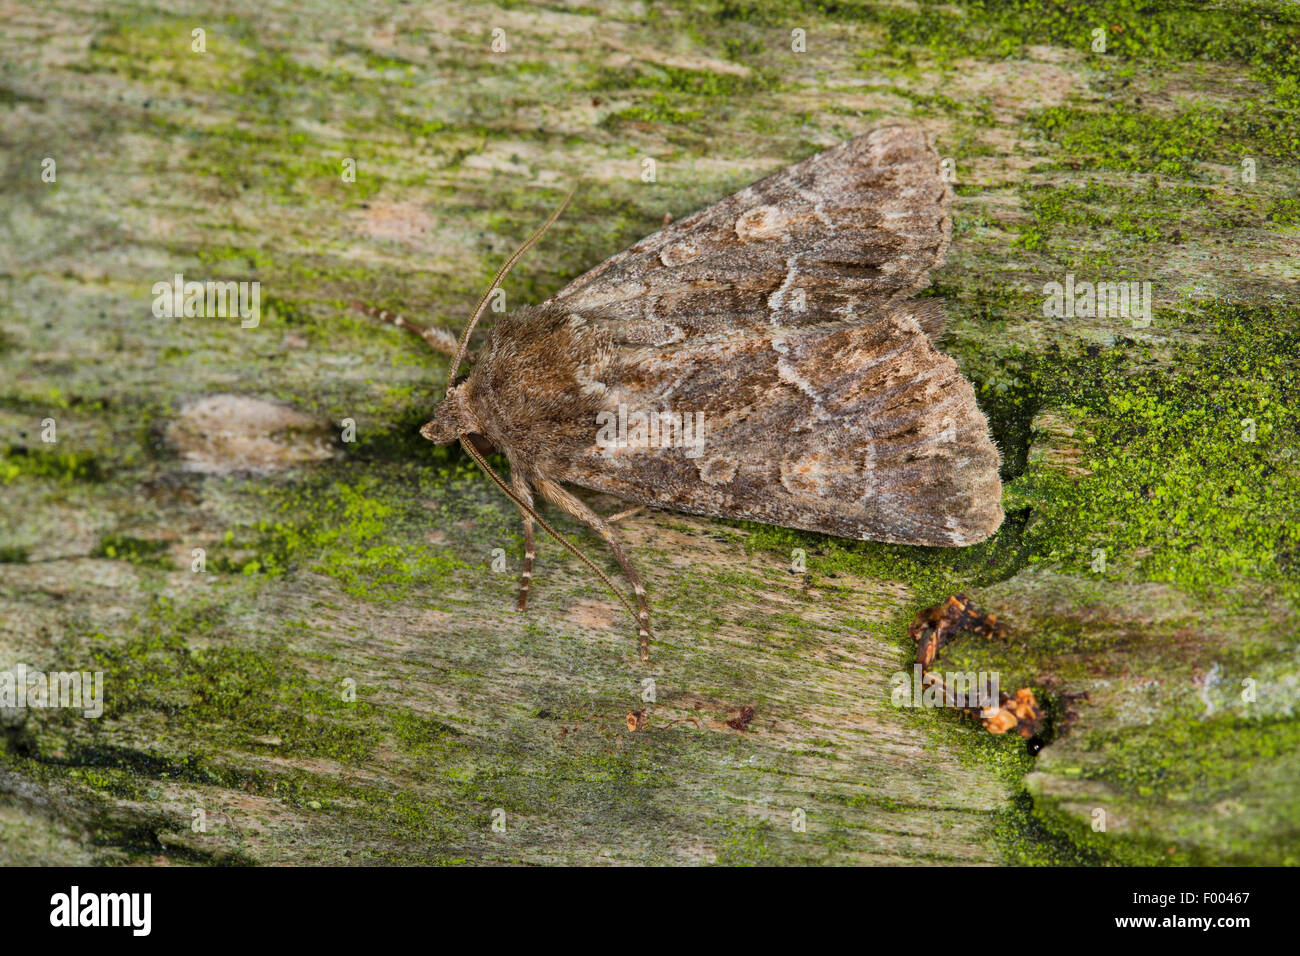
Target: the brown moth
(781, 320)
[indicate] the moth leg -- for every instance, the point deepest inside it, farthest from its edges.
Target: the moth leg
(440, 340)
(553, 493)
(520, 485)
(625, 514)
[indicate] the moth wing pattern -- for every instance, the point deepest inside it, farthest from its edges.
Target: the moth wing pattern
(859, 430)
(829, 411)
(842, 233)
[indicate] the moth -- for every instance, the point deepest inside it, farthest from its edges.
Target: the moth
(782, 319)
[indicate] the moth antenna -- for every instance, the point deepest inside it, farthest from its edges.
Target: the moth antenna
(438, 339)
(546, 526)
(501, 274)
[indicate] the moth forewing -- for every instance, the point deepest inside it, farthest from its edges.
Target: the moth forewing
(861, 431)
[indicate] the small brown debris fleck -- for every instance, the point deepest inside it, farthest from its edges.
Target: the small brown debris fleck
(683, 720)
(741, 721)
(636, 720)
(936, 627)
(999, 722)
(1020, 711)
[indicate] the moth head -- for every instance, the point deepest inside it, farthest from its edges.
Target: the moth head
(452, 419)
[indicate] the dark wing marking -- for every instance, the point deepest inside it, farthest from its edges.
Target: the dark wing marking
(839, 235)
